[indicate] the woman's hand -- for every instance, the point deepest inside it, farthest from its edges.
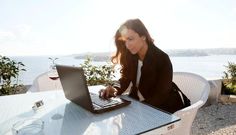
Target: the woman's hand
(108, 92)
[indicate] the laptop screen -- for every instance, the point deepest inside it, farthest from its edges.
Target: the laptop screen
(74, 85)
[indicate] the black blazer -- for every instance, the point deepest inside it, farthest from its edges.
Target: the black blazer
(155, 82)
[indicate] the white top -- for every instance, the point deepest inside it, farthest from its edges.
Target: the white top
(140, 64)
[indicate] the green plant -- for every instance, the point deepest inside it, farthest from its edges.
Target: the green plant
(9, 70)
(97, 75)
(230, 78)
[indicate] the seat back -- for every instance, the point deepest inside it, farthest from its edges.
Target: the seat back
(192, 85)
(44, 83)
(197, 89)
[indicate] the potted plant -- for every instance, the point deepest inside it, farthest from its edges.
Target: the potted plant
(229, 79)
(9, 73)
(97, 75)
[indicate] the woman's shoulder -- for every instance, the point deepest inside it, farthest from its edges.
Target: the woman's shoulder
(157, 51)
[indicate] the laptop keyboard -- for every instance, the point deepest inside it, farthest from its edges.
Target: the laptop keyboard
(103, 102)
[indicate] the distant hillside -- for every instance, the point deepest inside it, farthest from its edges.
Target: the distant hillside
(185, 53)
(105, 56)
(201, 52)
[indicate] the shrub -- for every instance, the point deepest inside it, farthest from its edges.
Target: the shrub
(230, 78)
(98, 75)
(9, 70)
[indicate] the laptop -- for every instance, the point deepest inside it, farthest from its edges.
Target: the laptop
(75, 88)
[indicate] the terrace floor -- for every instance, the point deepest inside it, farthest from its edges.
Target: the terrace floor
(216, 119)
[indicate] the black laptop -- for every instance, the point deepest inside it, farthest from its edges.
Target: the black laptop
(75, 88)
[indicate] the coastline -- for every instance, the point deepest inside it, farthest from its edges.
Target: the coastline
(104, 56)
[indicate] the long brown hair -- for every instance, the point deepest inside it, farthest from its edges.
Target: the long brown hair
(122, 55)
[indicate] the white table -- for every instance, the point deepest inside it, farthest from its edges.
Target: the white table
(62, 117)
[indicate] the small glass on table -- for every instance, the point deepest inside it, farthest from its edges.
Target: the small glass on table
(30, 126)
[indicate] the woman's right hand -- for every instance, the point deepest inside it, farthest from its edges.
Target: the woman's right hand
(108, 92)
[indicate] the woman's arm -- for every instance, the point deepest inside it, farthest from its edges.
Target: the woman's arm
(122, 84)
(117, 89)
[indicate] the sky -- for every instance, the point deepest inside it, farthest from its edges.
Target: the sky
(61, 27)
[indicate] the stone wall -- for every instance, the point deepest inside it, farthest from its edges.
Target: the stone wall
(215, 93)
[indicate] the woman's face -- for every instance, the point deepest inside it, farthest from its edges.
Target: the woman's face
(133, 42)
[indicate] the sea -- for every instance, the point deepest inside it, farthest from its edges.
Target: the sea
(210, 67)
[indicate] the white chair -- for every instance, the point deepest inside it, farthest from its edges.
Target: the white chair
(197, 89)
(44, 83)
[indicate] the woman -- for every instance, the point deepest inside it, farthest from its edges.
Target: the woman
(145, 66)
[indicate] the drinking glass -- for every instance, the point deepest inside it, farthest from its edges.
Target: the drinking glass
(52, 74)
